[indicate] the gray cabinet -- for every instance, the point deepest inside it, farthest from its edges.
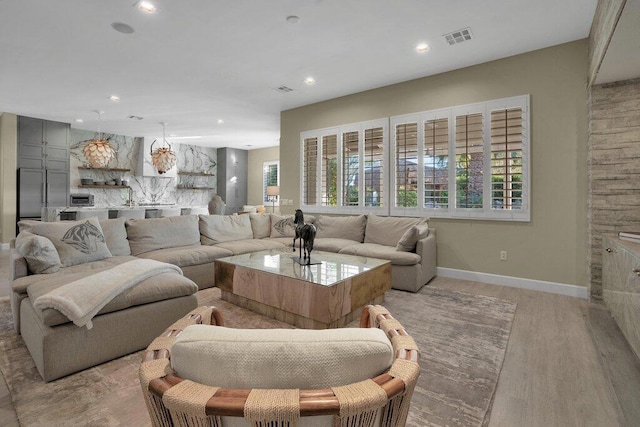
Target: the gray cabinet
(43, 162)
(43, 144)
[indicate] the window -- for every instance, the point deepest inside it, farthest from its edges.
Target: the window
(270, 177)
(344, 169)
(469, 161)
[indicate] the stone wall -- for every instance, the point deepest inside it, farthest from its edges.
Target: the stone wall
(614, 167)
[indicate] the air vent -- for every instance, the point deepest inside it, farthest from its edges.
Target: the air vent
(458, 36)
(136, 117)
(284, 89)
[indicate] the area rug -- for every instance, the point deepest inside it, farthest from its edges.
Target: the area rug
(462, 337)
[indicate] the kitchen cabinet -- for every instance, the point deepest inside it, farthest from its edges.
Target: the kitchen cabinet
(43, 162)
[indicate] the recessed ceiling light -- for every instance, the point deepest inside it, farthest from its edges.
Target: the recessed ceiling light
(220, 121)
(123, 28)
(293, 19)
(79, 121)
(114, 98)
(146, 6)
(422, 48)
(309, 81)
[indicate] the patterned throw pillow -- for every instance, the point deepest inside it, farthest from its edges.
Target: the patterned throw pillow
(42, 257)
(282, 226)
(77, 242)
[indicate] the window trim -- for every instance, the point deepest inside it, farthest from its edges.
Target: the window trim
(339, 131)
(487, 212)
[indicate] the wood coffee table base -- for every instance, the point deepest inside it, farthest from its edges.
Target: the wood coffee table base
(295, 319)
(323, 296)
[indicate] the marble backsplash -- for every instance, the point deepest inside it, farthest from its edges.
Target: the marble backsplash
(144, 190)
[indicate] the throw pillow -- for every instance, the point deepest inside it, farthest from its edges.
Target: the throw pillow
(342, 227)
(146, 235)
(224, 228)
(410, 237)
(387, 230)
(40, 253)
(77, 242)
(261, 225)
(115, 235)
(282, 226)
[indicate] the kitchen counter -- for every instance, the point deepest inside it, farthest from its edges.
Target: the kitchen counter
(69, 212)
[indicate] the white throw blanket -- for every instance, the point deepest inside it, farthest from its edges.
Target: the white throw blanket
(81, 300)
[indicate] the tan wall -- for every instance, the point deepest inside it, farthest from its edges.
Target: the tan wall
(254, 178)
(553, 246)
(8, 162)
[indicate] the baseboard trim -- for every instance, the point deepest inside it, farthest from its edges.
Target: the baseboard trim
(4, 246)
(515, 282)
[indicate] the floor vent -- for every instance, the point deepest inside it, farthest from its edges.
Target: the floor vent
(284, 89)
(459, 36)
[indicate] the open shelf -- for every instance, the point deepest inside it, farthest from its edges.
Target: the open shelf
(196, 173)
(104, 169)
(194, 188)
(110, 187)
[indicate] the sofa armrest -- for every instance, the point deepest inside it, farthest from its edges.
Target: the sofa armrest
(426, 248)
(17, 266)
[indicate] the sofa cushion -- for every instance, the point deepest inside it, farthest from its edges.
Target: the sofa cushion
(260, 225)
(373, 250)
(239, 247)
(330, 244)
(287, 241)
(157, 288)
(77, 242)
(151, 234)
(115, 234)
(342, 227)
(223, 228)
(282, 226)
(185, 256)
(39, 252)
(387, 230)
(280, 358)
(410, 237)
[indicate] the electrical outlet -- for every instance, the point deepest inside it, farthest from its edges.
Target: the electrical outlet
(503, 255)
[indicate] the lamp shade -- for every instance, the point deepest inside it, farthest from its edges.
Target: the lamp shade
(273, 190)
(98, 152)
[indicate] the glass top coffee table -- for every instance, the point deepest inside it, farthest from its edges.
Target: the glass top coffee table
(319, 296)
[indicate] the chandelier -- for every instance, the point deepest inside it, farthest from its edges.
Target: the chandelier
(98, 151)
(162, 158)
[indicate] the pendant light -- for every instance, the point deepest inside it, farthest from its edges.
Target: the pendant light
(98, 151)
(162, 158)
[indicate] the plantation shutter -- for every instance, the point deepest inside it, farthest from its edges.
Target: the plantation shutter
(506, 158)
(350, 168)
(469, 161)
(406, 165)
(373, 166)
(329, 168)
(436, 163)
(310, 171)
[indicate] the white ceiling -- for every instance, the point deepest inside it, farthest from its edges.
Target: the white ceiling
(194, 62)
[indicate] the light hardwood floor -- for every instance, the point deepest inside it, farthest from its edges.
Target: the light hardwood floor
(553, 373)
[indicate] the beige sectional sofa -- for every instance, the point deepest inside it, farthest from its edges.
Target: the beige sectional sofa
(193, 243)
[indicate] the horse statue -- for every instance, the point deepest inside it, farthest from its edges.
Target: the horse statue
(307, 234)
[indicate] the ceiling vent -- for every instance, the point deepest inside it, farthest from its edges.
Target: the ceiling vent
(136, 117)
(284, 89)
(459, 36)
